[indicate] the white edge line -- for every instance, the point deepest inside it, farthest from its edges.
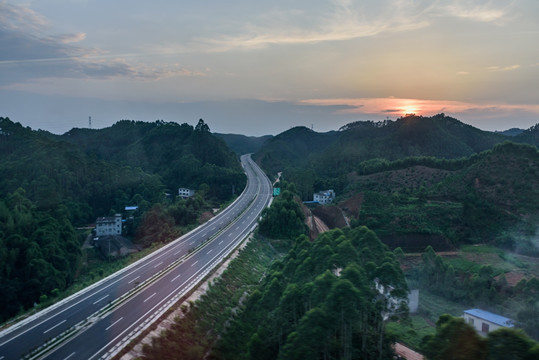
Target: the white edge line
(60, 323)
(151, 296)
(104, 297)
(114, 323)
(73, 353)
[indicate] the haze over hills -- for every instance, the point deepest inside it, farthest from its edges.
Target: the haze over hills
(242, 144)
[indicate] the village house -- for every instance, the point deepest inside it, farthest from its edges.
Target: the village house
(324, 197)
(185, 193)
(484, 321)
(109, 225)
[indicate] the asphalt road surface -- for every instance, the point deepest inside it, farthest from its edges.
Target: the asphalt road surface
(97, 321)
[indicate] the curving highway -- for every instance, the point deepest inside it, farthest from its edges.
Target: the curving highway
(98, 321)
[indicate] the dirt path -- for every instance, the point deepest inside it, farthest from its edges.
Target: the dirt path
(320, 225)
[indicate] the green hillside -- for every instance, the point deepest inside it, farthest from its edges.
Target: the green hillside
(294, 147)
(488, 197)
(315, 161)
(439, 136)
(182, 155)
(56, 173)
(530, 136)
(242, 144)
(50, 184)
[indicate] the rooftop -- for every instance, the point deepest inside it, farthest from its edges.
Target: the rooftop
(493, 318)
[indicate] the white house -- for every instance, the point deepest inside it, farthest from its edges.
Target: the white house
(484, 321)
(185, 193)
(109, 225)
(393, 304)
(324, 197)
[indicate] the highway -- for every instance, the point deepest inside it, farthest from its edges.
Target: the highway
(99, 320)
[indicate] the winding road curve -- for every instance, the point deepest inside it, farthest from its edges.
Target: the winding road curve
(98, 321)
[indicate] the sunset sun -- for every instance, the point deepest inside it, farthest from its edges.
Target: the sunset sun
(409, 111)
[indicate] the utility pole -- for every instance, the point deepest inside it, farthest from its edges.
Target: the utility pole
(90, 122)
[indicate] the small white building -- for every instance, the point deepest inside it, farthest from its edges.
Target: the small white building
(393, 304)
(324, 197)
(185, 193)
(484, 321)
(109, 225)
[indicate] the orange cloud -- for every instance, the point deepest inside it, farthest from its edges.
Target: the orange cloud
(400, 107)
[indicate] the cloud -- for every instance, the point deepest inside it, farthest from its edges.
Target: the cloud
(484, 12)
(504, 68)
(380, 106)
(347, 20)
(69, 38)
(344, 21)
(15, 17)
(28, 52)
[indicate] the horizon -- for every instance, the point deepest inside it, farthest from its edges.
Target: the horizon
(275, 134)
(258, 69)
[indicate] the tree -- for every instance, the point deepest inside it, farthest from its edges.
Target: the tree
(202, 127)
(507, 343)
(284, 219)
(310, 341)
(454, 339)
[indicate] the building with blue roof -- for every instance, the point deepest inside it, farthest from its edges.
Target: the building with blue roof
(324, 197)
(484, 321)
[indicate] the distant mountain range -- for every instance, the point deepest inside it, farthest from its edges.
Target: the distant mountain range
(242, 144)
(336, 152)
(511, 132)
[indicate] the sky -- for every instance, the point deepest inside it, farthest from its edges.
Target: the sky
(256, 68)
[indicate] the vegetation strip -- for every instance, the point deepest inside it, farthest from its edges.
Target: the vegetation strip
(203, 319)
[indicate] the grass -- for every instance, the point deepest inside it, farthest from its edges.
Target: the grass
(242, 274)
(410, 332)
(463, 264)
(471, 257)
(432, 306)
(480, 249)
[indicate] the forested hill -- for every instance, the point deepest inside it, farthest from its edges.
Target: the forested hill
(293, 147)
(94, 172)
(55, 173)
(183, 155)
(242, 144)
(490, 197)
(335, 153)
(51, 183)
(530, 136)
